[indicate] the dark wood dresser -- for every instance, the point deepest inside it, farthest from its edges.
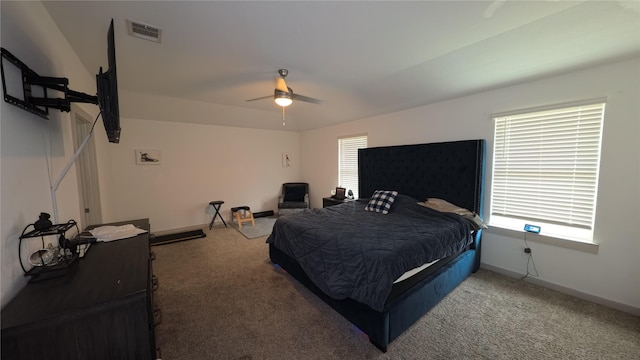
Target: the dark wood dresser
(102, 310)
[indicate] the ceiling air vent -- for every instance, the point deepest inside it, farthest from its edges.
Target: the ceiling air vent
(143, 31)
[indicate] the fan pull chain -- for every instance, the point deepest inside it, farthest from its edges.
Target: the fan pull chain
(283, 116)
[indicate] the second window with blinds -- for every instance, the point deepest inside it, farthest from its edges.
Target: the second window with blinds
(545, 169)
(348, 161)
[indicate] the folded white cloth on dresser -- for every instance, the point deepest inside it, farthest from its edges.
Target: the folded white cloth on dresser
(110, 233)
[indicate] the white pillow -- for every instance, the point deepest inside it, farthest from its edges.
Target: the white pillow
(445, 206)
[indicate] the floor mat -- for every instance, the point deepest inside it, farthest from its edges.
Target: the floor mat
(263, 227)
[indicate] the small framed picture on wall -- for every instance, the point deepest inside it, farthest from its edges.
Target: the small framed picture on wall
(148, 157)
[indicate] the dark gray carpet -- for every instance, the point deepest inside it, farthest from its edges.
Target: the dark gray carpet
(222, 299)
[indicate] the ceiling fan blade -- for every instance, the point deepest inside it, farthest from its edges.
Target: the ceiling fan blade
(306, 99)
(281, 84)
(260, 98)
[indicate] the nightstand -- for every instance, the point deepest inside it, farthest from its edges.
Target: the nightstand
(329, 201)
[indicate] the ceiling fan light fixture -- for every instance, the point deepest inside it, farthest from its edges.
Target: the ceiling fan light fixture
(283, 99)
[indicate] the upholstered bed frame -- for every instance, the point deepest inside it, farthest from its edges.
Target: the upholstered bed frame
(453, 171)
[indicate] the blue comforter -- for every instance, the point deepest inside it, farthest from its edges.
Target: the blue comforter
(352, 253)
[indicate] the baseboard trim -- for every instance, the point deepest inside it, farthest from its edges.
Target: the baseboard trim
(565, 290)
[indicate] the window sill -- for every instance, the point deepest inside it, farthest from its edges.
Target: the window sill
(588, 247)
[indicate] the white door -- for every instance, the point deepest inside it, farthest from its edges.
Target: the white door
(86, 169)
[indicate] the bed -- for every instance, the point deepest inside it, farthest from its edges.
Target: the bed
(320, 257)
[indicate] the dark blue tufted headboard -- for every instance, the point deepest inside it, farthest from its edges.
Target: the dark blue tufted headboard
(449, 170)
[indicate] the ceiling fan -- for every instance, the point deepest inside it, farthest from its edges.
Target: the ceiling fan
(283, 95)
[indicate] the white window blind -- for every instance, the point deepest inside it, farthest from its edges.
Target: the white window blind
(545, 165)
(348, 161)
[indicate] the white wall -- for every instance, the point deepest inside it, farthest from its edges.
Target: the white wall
(34, 150)
(199, 164)
(612, 274)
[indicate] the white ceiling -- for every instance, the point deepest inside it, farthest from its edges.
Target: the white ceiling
(362, 58)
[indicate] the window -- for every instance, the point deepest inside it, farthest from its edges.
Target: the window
(348, 161)
(545, 169)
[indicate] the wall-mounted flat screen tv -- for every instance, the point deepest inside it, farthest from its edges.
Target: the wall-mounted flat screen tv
(107, 83)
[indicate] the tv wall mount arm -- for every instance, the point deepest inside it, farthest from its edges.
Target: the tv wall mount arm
(41, 105)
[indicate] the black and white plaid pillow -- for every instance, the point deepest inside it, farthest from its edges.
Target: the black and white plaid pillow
(381, 201)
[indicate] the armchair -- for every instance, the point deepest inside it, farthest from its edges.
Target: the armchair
(294, 198)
